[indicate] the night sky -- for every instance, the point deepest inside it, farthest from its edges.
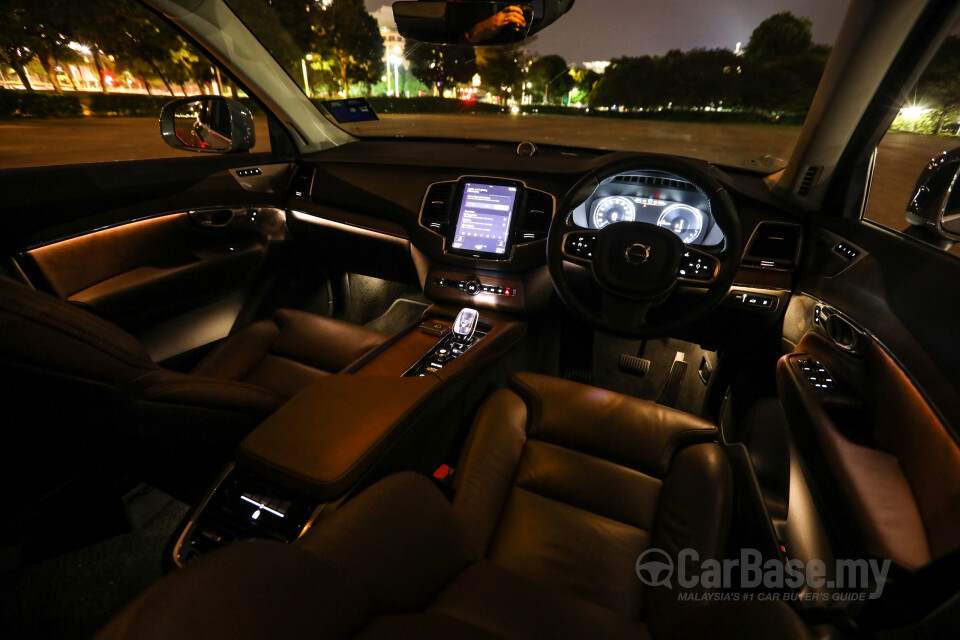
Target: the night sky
(604, 29)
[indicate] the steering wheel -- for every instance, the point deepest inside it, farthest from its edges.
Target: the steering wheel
(647, 281)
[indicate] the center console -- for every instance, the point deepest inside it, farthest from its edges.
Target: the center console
(453, 343)
(482, 240)
(328, 439)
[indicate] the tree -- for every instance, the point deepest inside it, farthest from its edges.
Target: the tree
(631, 82)
(782, 67)
(501, 69)
(584, 82)
(283, 28)
(18, 38)
(146, 43)
(780, 36)
(939, 86)
(441, 67)
(97, 24)
(701, 78)
(551, 78)
(345, 31)
(39, 30)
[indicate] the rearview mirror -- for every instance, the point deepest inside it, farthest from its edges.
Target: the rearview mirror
(208, 124)
(935, 206)
(476, 22)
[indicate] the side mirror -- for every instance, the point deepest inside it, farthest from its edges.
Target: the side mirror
(476, 22)
(208, 124)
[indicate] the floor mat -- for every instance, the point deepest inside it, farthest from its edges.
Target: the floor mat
(686, 393)
(74, 595)
(401, 314)
(366, 298)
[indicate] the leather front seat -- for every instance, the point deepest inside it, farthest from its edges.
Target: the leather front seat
(79, 384)
(561, 488)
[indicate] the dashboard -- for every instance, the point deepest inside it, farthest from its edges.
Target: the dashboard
(653, 197)
(474, 218)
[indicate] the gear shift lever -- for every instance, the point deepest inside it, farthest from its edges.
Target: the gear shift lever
(466, 324)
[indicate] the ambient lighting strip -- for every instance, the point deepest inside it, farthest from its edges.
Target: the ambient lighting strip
(343, 226)
(262, 507)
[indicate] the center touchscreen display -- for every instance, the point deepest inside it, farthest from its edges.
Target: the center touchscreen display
(483, 224)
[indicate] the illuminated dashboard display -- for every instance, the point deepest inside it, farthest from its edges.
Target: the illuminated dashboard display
(685, 221)
(483, 222)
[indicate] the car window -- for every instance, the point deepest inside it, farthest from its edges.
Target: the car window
(85, 82)
(927, 127)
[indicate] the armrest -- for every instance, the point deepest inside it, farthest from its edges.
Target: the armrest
(870, 480)
(212, 270)
(177, 388)
(324, 439)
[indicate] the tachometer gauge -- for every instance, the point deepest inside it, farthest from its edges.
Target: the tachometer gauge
(683, 220)
(613, 209)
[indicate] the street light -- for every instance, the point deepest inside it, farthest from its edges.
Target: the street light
(395, 62)
(395, 59)
(306, 81)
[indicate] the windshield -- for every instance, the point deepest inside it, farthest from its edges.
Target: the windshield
(727, 82)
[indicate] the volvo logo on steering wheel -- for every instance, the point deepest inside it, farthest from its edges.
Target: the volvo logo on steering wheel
(637, 253)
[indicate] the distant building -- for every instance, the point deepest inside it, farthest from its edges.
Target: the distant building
(597, 66)
(392, 41)
(393, 44)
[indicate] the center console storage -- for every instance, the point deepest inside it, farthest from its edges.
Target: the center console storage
(328, 438)
(321, 441)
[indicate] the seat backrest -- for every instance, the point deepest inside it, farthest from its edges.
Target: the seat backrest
(44, 332)
(77, 386)
(568, 485)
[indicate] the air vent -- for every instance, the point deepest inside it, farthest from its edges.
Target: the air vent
(537, 216)
(301, 185)
(436, 206)
(809, 179)
(656, 181)
(774, 245)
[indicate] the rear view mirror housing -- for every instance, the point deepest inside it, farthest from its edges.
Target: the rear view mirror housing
(476, 22)
(207, 124)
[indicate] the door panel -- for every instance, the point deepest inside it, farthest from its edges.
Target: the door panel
(870, 389)
(153, 266)
(158, 246)
(872, 438)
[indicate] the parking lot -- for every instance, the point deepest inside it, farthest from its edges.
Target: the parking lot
(25, 143)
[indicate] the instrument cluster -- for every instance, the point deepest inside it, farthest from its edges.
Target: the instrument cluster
(652, 197)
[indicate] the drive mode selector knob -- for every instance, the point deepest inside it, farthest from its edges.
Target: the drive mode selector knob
(472, 287)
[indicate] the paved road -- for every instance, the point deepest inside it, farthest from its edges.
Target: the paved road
(46, 142)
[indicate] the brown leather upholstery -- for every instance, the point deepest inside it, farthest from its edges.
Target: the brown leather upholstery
(289, 351)
(323, 440)
(395, 563)
(68, 367)
(561, 487)
(568, 484)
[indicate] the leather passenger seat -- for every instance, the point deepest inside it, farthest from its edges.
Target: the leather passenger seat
(82, 384)
(560, 489)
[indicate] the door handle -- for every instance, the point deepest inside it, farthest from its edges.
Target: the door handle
(215, 218)
(842, 332)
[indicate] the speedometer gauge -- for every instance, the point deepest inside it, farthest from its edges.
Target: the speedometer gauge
(613, 209)
(683, 220)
